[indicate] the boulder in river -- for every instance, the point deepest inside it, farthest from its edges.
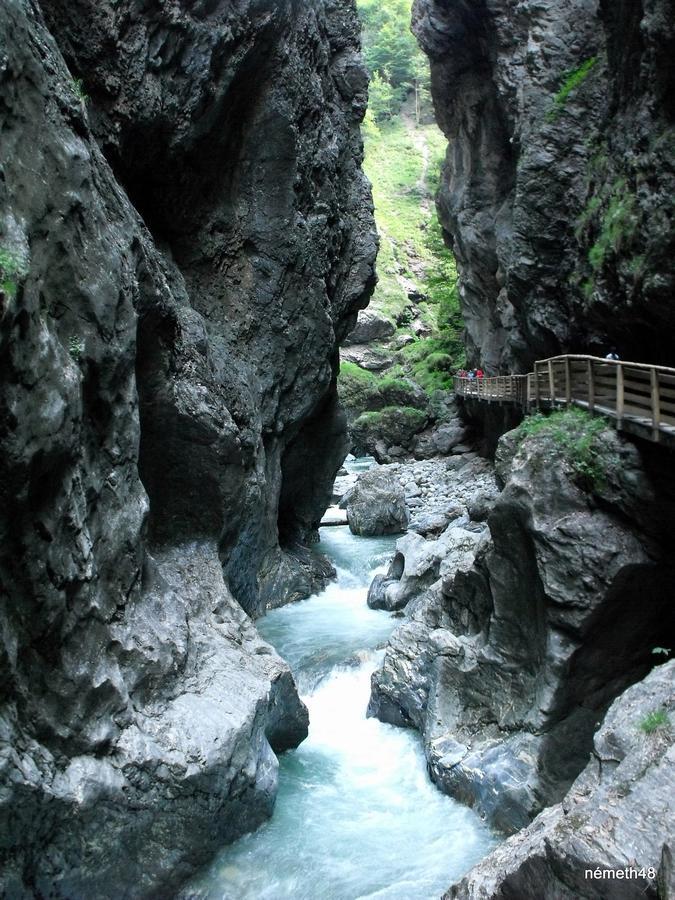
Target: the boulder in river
(389, 431)
(376, 505)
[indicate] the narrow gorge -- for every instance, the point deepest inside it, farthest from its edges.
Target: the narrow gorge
(281, 615)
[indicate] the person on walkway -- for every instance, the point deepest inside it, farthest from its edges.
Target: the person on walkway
(612, 354)
(472, 374)
(479, 373)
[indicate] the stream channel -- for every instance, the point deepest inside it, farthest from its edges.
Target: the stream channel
(356, 815)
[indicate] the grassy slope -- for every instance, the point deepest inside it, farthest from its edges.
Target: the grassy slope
(403, 162)
(403, 201)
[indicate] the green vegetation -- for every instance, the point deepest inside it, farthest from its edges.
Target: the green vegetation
(396, 64)
(403, 164)
(79, 91)
(398, 424)
(618, 224)
(75, 347)
(417, 289)
(654, 721)
(572, 81)
(13, 268)
(579, 437)
(609, 226)
(361, 390)
(407, 416)
(434, 361)
(395, 164)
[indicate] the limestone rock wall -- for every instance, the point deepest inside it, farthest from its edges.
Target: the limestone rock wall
(615, 817)
(185, 236)
(234, 129)
(557, 192)
(509, 660)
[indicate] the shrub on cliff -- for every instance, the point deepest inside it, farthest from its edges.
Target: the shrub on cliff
(13, 268)
(433, 361)
(581, 438)
(362, 391)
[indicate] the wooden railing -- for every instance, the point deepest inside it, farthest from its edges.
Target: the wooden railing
(506, 388)
(639, 397)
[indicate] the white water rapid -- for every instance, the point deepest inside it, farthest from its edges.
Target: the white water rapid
(356, 815)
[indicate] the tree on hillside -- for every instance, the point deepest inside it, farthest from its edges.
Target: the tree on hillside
(381, 98)
(392, 54)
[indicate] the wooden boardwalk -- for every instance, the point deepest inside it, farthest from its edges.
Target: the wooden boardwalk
(638, 397)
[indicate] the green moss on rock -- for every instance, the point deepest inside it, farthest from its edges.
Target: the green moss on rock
(395, 425)
(362, 391)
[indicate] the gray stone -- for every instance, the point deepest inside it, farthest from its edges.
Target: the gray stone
(370, 326)
(423, 563)
(376, 504)
(439, 440)
(481, 504)
(169, 418)
(537, 603)
(434, 522)
(192, 766)
(370, 358)
(341, 485)
(386, 433)
(617, 815)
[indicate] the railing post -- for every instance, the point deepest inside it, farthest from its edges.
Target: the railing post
(537, 392)
(551, 382)
(568, 382)
(619, 395)
(656, 405)
(591, 386)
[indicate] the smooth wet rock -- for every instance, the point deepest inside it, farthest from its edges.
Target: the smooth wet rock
(293, 573)
(616, 815)
(193, 756)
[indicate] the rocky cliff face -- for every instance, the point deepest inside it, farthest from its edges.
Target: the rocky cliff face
(234, 130)
(557, 194)
(517, 638)
(616, 817)
(185, 236)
